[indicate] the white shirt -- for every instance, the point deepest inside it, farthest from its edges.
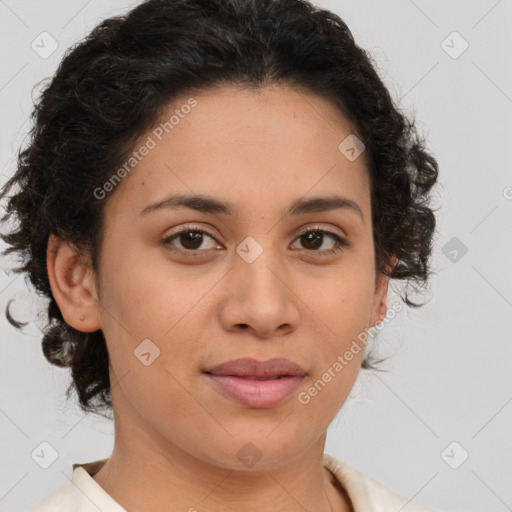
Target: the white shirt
(84, 494)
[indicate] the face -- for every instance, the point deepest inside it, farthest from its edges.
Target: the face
(186, 289)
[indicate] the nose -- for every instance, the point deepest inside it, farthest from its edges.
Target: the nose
(259, 298)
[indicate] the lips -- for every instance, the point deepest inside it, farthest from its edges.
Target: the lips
(259, 370)
(257, 384)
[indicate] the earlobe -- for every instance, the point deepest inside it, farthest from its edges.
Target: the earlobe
(73, 287)
(380, 306)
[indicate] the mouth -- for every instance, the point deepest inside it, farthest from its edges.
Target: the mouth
(257, 384)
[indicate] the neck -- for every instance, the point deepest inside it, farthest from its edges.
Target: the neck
(142, 474)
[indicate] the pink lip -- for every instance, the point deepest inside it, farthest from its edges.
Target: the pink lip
(257, 384)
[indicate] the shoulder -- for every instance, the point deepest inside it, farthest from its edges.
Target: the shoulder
(369, 494)
(81, 493)
(63, 499)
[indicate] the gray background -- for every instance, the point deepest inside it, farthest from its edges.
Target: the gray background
(450, 377)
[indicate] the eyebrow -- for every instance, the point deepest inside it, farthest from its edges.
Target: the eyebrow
(213, 206)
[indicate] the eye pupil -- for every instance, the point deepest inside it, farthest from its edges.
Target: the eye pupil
(314, 235)
(197, 239)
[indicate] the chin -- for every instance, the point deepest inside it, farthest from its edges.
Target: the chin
(252, 453)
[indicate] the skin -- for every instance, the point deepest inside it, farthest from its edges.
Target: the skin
(176, 435)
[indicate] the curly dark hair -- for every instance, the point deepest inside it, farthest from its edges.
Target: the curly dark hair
(111, 88)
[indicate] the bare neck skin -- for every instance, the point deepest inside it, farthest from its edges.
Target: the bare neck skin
(150, 474)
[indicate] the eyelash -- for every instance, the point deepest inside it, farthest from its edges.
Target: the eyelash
(341, 243)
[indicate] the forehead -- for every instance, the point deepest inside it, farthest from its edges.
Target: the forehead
(258, 149)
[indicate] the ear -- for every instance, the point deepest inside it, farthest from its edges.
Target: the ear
(72, 282)
(380, 304)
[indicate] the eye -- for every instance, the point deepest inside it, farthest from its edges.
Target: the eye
(314, 238)
(190, 239)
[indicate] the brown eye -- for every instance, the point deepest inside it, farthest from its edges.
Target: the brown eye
(190, 239)
(313, 239)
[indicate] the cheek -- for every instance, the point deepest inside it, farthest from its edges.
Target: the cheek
(150, 315)
(152, 348)
(343, 311)
(344, 301)
(148, 297)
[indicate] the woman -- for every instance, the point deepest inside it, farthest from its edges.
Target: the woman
(214, 199)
